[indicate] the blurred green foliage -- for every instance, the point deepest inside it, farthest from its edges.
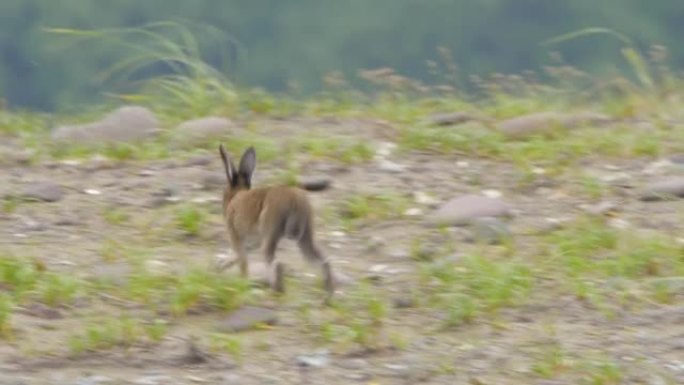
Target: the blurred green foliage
(292, 45)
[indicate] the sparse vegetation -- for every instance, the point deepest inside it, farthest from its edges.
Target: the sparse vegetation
(441, 287)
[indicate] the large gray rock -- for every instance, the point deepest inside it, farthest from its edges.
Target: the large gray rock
(248, 317)
(461, 211)
(542, 123)
(125, 124)
(43, 191)
(664, 189)
(452, 118)
(198, 130)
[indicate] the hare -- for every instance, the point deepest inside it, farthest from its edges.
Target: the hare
(268, 213)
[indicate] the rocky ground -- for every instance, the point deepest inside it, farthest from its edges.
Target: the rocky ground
(393, 225)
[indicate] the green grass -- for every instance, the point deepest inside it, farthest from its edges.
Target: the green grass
(190, 219)
(475, 286)
(106, 334)
(371, 207)
(6, 308)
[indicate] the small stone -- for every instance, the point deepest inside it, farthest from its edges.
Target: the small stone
(31, 225)
(378, 268)
(248, 317)
(601, 208)
(665, 189)
(494, 194)
(342, 279)
(71, 162)
(206, 199)
(156, 379)
(199, 160)
(413, 212)
(452, 119)
(317, 360)
(398, 254)
(385, 149)
(391, 167)
(619, 223)
(315, 183)
(42, 311)
(657, 167)
(490, 230)
(424, 199)
(44, 191)
(403, 303)
(213, 180)
(462, 210)
(462, 164)
(157, 267)
(193, 354)
(146, 173)
(93, 380)
(91, 191)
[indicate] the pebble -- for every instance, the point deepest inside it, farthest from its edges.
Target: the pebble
(318, 359)
(391, 167)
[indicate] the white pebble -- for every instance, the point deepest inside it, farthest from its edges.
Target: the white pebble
(389, 166)
(71, 162)
(385, 149)
(492, 194)
(413, 212)
(424, 199)
(91, 191)
(377, 268)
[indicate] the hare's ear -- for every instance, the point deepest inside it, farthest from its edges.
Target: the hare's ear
(247, 165)
(227, 165)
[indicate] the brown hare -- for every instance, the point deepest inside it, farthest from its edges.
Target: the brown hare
(268, 214)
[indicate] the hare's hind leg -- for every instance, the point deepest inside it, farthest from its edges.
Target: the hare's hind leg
(313, 255)
(276, 268)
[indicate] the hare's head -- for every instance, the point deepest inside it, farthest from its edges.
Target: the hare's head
(240, 178)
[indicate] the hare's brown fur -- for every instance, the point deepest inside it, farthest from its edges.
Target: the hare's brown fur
(267, 214)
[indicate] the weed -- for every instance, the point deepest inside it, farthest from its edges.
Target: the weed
(190, 219)
(372, 207)
(106, 334)
(6, 305)
(602, 372)
(10, 204)
(227, 344)
(55, 289)
(344, 149)
(550, 362)
(200, 288)
(156, 330)
(115, 215)
(17, 276)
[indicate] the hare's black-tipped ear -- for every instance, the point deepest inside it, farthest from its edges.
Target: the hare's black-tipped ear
(247, 165)
(227, 164)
